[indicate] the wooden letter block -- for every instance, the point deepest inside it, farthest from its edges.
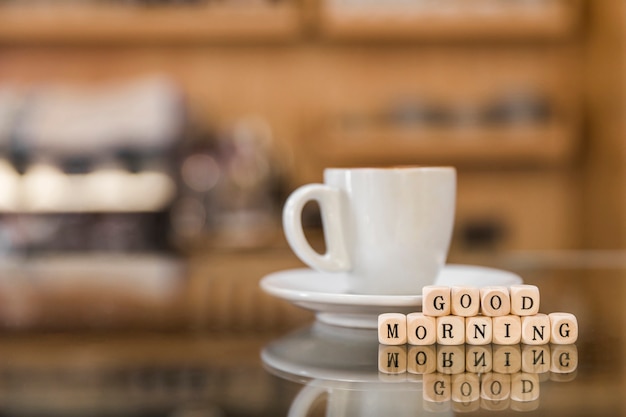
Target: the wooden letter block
(392, 329)
(524, 300)
(392, 359)
(524, 387)
(563, 328)
(507, 330)
(421, 359)
(507, 359)
(450, 359)
(450, 330)
(536, 329)
(421, 330)
(478, 359)
(495, 386)
(478, 330)
(535, 359)
(464, 301)
(465, 387)
(495, 301)
(435, 300)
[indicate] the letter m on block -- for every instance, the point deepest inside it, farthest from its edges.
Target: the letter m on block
(392, 332)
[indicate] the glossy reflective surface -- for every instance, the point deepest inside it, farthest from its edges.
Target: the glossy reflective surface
(322, 370)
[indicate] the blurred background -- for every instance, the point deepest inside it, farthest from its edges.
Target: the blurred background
(147, 147)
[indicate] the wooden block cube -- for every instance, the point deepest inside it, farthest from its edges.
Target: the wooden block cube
(524, 387)
(421, 330)
(436, 300)
(450, 330)
(392, 359)
(524, 300)
(464, 301)
(478, 330)
(495, 301)
(507, 359)
(563, 328)
(392, 329)
(507, 330)
(478, 359)
(536, 329)
(422, 359)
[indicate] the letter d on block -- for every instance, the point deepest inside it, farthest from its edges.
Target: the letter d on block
(392, 329)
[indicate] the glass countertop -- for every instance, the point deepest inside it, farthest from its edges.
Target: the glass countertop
(323, 370)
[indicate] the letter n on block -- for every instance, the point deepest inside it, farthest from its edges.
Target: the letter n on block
(536, 329)
(392, 329)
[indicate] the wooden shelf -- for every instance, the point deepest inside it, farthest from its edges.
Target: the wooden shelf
(552, 20)
(116, 23)
(542, 145)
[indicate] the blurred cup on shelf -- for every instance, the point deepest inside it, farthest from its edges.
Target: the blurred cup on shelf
(387, 229)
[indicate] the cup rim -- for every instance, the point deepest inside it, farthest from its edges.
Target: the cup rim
(393, 169)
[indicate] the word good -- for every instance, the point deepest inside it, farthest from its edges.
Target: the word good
(458, 315)
(467, 378)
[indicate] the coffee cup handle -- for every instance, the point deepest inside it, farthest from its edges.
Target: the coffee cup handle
(329, 199)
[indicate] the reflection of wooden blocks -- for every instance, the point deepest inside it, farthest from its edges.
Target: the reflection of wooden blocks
(524, 300)
(524, 387)
(507, 330)
(535, 359)
(465, 387)
(478, 330)
(392, 359)
(450, 330)
(422, 359)
(564, 328)
(437, 388)
(392, 329)
(465, 407)
(436, 300)
(495, 405)
(535, 329)
(451, 359)
(478, 359)
(495, 301)
(564, 359)
(421, 329)
(495, 386)
(464, 301)
(507, 359)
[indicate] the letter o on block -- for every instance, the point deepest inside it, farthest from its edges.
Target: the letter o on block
(563, 328)
(495, 301)
(421, 330)
(392, 329)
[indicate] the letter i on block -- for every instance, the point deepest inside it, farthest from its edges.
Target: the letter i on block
(435, 300)
(563, 328)
(392, 329)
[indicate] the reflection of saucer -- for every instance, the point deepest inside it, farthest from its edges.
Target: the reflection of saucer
(327, 295)
(321, 352)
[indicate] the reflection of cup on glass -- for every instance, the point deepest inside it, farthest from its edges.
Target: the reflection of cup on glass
(388, 229)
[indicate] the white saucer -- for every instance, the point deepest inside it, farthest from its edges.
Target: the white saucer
(327, 294)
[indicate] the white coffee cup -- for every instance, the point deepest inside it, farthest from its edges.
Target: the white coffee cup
(388, 229)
